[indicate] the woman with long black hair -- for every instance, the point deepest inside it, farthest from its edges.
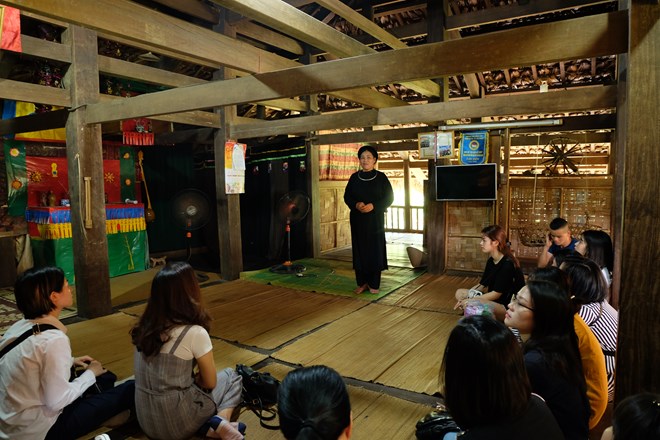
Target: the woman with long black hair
(543, 314)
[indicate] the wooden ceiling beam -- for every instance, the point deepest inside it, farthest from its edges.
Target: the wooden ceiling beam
(292, 21)
(395, 134)
(553, 102)
(126, 22)
(272, 38)
(603, 34)
(194, 8)
(511, 12)
(133, 71)
(34, 122)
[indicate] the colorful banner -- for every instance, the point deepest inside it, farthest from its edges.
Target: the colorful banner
(127, 173)
(17, 181)
(474, 147)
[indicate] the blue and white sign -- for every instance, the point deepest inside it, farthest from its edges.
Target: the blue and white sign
(474, 147)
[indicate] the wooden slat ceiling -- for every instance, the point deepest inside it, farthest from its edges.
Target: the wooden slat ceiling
(285, 33)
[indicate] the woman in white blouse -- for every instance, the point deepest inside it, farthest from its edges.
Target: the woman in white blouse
(37, 400)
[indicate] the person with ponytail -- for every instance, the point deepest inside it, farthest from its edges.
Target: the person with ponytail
(313, 404)
(502, 276)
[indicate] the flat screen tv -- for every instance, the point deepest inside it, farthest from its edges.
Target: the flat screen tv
(466, 182)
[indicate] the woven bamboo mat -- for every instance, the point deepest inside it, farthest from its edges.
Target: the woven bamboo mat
(266, 316)
(107, 340)
(375, 415)
(430, 292)
(393, 346)
(334, 277)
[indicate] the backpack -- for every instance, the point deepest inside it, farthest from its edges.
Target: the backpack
(259, 394)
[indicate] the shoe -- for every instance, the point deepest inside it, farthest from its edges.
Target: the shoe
(374, 291)
(360, 289)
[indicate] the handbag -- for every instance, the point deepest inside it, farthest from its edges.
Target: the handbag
(259, 394)
(104, 382)
(435, 425)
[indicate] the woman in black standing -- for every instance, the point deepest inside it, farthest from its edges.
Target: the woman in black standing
(368, 195)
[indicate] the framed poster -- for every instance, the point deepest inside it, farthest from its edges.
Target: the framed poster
(444, 141)
(427, 145)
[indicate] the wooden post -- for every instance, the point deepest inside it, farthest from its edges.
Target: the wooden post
(435, 212)
(313, 236)
(638, 131)
(227, 205)
(85, 162)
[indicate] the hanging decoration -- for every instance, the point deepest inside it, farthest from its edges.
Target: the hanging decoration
(149, 213)
(137, 131)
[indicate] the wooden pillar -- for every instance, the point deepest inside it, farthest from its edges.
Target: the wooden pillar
(435, 212)
(504, 187)
(227, 205)
(638, 131)
(85, 166)
(313, 236)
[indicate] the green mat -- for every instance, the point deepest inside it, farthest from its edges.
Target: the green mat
(332, 276)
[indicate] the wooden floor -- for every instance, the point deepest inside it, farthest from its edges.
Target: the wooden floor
(388, 350)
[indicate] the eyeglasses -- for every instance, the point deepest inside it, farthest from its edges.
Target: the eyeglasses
(514, 300)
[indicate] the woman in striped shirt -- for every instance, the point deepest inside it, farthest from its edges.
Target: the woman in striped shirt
(587, 284)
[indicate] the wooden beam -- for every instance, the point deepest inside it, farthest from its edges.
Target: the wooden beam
(511, 12)
(394, 134)
(34, 122)
(125, 22)
(575, 123)
(21, 91)
(262, 34)
(560, 101)
(133, 71)
(603, 34)
(194, 8)
(584, 138)
(294, 22)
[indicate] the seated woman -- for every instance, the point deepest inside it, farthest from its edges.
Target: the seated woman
(37, 400)
(543, 314)
(588, 286)
(597, 246)
(637, 417)
(173, 399)
(502, 276)
(313, 403)
(593, 362)
(486, 389)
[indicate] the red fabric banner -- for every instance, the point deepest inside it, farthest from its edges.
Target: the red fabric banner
(10, 29)
(45, 174)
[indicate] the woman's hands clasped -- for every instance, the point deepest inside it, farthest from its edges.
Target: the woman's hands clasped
(364, 207)
(89, 363)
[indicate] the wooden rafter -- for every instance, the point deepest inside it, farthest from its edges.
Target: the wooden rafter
(124, 21)
(530, 103)
(292, 21)
(600, 35)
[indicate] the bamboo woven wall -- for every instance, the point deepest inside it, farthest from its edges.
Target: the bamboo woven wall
(465, 220)
(585, 203)
(335, 227)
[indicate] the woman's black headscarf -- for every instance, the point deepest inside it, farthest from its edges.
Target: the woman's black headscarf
(368, 148)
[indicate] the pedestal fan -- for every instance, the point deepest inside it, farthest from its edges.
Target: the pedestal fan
(291, 208)
(191, 210)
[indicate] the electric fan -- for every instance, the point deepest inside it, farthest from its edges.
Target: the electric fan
(292, 207)
(191, 211)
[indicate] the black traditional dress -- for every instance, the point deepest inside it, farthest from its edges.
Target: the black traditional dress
(368, 229)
